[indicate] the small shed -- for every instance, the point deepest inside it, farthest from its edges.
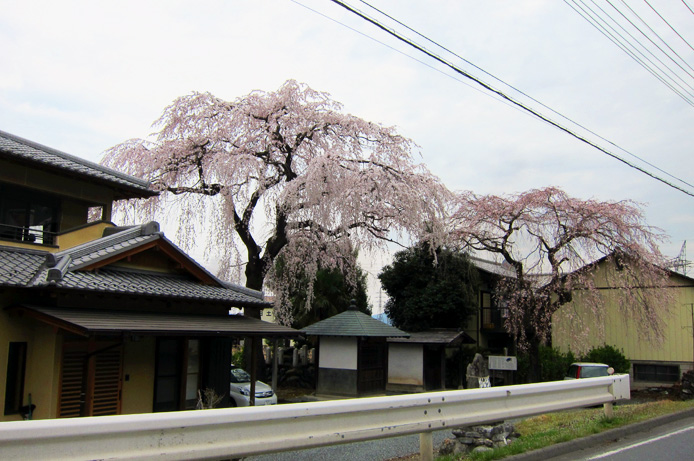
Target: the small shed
(352, 353)
(418, 363)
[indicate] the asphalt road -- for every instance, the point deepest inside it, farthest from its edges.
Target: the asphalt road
(673, 441)
(374, 450)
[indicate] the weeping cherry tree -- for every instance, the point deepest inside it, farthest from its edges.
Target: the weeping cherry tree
(280, 174)
(553, 242)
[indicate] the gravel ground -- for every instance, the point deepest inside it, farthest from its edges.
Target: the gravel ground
(374, 450)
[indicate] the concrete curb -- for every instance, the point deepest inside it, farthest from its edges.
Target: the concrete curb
(592, 440)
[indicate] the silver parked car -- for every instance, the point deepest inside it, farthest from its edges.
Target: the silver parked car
(240, 390)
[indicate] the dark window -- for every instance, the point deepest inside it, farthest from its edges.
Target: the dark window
(27, 215)
(656, 373)
(168, 374)
(14, 387)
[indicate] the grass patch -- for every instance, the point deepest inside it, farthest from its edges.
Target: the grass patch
(548, 429)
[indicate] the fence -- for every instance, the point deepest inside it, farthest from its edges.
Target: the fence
(237, 432)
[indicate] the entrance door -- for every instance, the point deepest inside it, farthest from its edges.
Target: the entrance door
(372, 363)
(433, 369)
(90, 379)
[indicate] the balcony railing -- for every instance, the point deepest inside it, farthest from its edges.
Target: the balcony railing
(493, 318)
(31, 234)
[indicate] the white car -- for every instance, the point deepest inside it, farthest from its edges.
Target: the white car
(240, 390)
(580, 370)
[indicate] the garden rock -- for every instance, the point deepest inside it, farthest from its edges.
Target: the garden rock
(479, 438)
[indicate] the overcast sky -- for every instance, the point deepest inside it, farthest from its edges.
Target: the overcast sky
(82, 76)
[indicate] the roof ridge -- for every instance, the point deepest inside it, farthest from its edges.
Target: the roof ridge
(76, 252)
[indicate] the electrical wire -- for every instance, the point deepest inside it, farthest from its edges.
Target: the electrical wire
(666, 22)
(523, 93)
(661, 38)
(625, 45)
(505, 96)
(650, 40)
(688, 7)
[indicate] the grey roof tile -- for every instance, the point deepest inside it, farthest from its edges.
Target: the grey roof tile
(152, 284)
(352, 323)
(18, 267)
(25, 150)
(30, 268)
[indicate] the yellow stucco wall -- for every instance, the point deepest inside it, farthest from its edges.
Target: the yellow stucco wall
(41, 378)
(138, 375)
(81, 235)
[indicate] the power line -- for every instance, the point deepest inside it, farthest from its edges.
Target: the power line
(688, 7)
(654, 44)
(523, 93)
(503, 95)
(661, 38)
(666, 22)
(622, 42)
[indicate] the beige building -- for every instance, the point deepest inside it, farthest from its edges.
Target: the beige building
(652, 363)
(97, 319)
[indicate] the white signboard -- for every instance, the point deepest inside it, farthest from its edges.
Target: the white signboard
(502, 362)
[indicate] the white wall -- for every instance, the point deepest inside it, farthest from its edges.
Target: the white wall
(337, 352)
(405, 364)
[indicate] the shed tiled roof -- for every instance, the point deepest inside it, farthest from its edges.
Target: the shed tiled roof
(28, 151)
(65, 270)
(436, 336)
(353, 323)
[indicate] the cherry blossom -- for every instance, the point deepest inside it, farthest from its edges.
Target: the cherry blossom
(562, 249)
(281, 173)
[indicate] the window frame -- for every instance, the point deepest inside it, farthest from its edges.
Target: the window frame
(27, 203)
(657, 373)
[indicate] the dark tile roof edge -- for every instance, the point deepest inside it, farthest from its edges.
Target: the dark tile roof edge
(335, 326)
(245, 290)
(132, 181)
(31, 251)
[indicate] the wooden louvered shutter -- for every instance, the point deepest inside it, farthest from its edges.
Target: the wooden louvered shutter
(71, 375)
(107, 382)
(90, 383)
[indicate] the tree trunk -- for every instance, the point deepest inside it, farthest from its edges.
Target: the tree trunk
(535, 365)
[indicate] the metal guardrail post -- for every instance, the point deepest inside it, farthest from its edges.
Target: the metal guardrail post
(426, 446)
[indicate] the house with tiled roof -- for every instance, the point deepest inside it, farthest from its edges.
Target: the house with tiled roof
(97, 319)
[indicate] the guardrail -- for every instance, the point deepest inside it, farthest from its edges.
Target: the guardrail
(237, 432)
